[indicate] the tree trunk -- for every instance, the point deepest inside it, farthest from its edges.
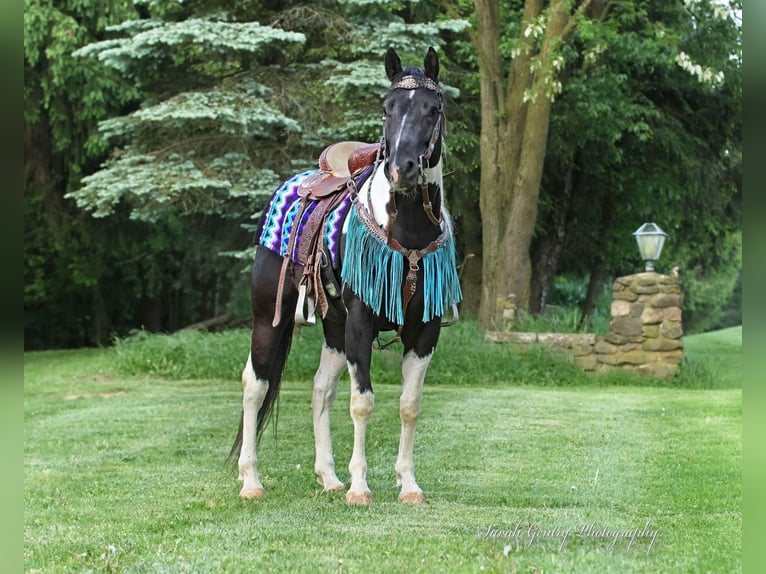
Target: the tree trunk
(149, 314)
(101, 325)
(551, 245)
(514, 131)
(598, 267)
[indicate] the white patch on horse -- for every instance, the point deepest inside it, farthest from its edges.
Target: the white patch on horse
(360, 407)
(254, 392)
(413, 374)
(374, 195)
(394, 164)
(434, 175)
(331, 366)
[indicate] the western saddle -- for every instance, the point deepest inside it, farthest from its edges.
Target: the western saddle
(339, 164)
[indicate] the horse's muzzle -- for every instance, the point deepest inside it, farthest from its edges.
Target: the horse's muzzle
(404, 178)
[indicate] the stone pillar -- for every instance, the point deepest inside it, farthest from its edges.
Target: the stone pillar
(645, 333)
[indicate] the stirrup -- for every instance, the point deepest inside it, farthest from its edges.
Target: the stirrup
(305, 312)
(454, 319)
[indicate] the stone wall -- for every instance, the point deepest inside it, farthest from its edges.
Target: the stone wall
(580, 346)
(645, 334)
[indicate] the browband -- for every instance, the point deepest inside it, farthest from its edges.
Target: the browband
(413, 82)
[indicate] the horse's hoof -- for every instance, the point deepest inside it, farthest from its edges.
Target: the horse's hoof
(330, 485)
(359, 497)
(251, 493)
(412, 498)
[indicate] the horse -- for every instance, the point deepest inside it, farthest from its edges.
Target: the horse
(391, 266)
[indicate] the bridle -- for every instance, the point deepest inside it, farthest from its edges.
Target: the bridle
(412, 256)
(410, 82)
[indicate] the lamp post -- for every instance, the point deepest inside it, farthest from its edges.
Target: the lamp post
(650, 239)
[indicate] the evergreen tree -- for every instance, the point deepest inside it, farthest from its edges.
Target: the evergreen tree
(231, 106)
(65, 252)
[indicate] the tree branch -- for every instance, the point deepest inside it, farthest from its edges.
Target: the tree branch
(569, 28)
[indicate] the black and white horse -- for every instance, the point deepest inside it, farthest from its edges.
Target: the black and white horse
(396, 269)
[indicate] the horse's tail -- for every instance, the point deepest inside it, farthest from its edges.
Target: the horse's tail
(275, 379)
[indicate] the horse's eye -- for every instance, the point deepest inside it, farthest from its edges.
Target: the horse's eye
(434, 111)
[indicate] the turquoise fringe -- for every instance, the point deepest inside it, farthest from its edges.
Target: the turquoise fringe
(375, 272)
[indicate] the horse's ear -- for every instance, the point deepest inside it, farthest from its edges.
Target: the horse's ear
(431, 64)
(393, 64)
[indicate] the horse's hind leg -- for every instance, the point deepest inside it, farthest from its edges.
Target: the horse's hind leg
(254, 391)
(331, 366)
(262, 375)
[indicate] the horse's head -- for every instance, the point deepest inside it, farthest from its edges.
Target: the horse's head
(413, 120)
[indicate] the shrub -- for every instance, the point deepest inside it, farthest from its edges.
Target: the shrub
(462, 358)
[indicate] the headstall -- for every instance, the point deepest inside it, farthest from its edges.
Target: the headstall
(411, 82)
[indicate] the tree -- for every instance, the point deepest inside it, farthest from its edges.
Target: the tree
(231, 107)
(63, 101)
(624, 139)
(517, 92)
(652, 134)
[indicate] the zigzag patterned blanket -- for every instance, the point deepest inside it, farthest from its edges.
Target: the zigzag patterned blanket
(280, 217)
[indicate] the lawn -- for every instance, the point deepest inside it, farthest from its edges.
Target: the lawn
(125, 474)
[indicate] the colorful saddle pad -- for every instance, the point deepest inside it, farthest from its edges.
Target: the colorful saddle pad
(282, 212)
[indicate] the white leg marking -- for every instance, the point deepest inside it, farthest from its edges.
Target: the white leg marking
(361, 407)
(253, 391)
(413, 374)
(331, 367)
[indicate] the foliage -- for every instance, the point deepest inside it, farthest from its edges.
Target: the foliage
(463, 357)
(731, 313)
(172, 121)
(180, 147)
(203, 109)
(709, 286)
(218, 85)
(649, 123)
(712, 360)
(462, 353)
(74, 290)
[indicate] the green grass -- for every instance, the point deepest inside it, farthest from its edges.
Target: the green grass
(719, 353)
(124, 473)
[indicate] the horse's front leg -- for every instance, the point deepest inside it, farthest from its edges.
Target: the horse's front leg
(417, 357)
(359, 336)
